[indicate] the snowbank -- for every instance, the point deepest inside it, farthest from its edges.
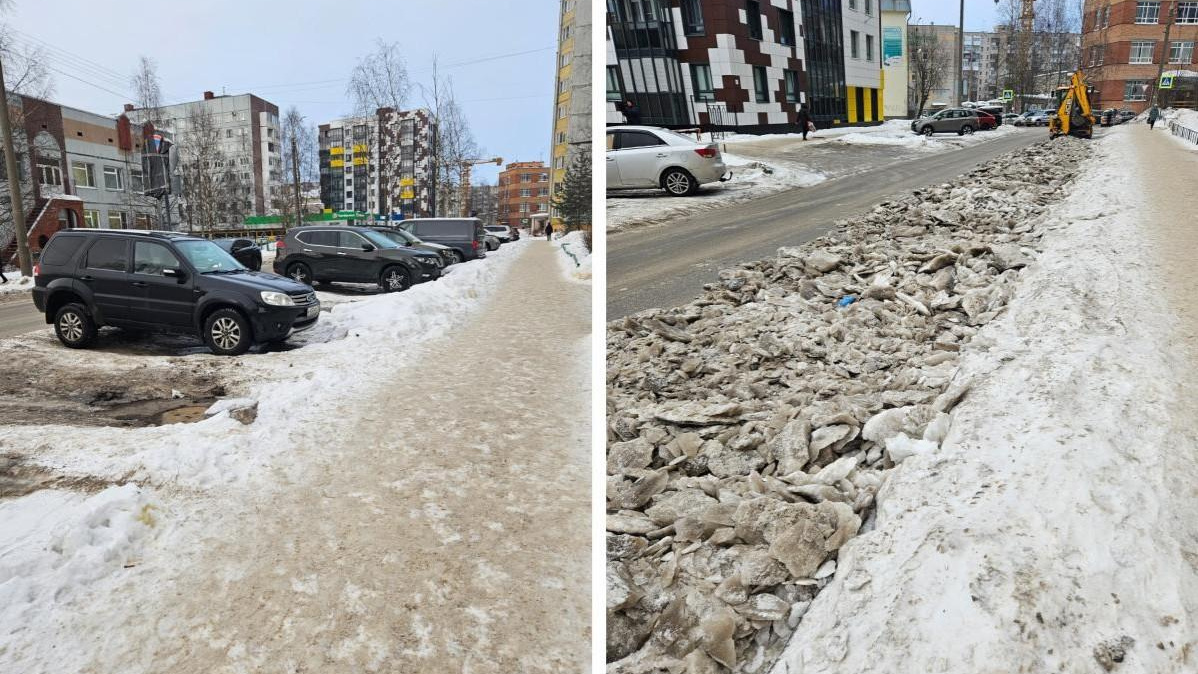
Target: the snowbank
(16, 284)
(1055, 529)
(574, 257)
(1185, 118)
(904, 137)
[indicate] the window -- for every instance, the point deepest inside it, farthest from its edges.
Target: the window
(854, 48)
(526, 177)
(91, 218)
(152, 258)
(1148, 12)
(1187, 12)
(852, 4)
(1181, 52)
(524, 208)
(1099, 54)
(543, 192)
(1106, 17)
(84, 174)
(1141, 51)
(791, 77)
(701, 79)
(613, 84)
(753, 16)
(869, 9)
(1135, 90)
(787, 36)
(559, 163)
(113, 179)
(136, 181)
(351, 240)
(228, 133)
(61, 250)
(318, 238)
(49, 174)
(869, 47)
(109, 253)
(526, 193)
(761, 85)
(692, 17)
(118, 220)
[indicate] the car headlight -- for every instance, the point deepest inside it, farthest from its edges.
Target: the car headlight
(277, 299)
(431, 261)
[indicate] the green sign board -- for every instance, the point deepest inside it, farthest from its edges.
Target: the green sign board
(1166, 82)
(1008, 94)
(892, 45)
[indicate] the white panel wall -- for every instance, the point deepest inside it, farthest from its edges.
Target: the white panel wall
(860, 71)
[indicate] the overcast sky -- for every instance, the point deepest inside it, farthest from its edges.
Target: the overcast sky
(980, 15)
(302, 51)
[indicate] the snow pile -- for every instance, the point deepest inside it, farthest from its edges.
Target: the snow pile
(574, 256)
(1055, 530)
(16, 284)
(751, 179)
(750, 431)
(1185, 118)
(905, 137)
(56, 543)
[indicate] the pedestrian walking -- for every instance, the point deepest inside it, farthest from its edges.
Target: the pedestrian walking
(548, 232)
(3, 278)
(632, 114)
(1153, 115)
(804, 120)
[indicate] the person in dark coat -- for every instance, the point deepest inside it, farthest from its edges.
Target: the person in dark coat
(804, 120)
(632, 114)
(1153, 115)
(548, 232)
(3, 278)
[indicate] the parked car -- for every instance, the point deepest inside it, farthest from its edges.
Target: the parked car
(504, 233)
(1010, 118)
(1124, 116)
(1024, 117)
(492, 242)
(465, 236)
(515, 233)
(405, 238)
(646, 157)
(995, 111)
(986, 121)
(961, 121)
(1038, 118)
(345, 254)
(161, 281)
(245, 251)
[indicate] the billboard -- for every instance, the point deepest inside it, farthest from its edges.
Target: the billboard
(892, 45)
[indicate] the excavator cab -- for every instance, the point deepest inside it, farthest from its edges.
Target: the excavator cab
(1073, 114)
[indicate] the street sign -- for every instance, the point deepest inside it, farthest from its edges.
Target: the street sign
(407, 182)
(1166, 82)
(407, 193)
(1008, 95)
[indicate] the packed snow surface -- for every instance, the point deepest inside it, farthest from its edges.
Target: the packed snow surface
(574, 256)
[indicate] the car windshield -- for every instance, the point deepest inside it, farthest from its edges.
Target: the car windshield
(378, 239)
(207, 257)
(495, 229)
(405, 235)
(395, 235)
(676, 136)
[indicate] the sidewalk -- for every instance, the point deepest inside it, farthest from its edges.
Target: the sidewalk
(439, 522)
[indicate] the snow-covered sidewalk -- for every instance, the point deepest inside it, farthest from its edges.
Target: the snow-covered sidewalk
(1056, 529)
(395, 506)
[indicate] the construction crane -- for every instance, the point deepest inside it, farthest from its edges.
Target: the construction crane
(467, 165)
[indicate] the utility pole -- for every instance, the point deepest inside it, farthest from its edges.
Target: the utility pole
(14, 184)
(295, 178)
(1156, 86)
(961, 54)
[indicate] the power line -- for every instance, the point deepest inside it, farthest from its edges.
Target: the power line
(85, 63)
(124, 96)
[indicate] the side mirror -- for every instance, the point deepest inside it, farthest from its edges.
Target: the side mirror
(367, 247)
(177, 274)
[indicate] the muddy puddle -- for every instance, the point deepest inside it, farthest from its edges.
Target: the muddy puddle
(18, 478)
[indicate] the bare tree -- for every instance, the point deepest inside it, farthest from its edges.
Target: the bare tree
(453, 142)
(214, 190)
(146, 85)
(26, 69)
(299, 150)
(379, 80)
(929, 65)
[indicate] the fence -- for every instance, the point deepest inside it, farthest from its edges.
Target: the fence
(1184, 133)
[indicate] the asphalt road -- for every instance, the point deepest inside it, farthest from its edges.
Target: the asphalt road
(667, 266)
(18, 317)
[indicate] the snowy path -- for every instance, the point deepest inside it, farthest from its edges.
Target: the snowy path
(441, 522)
(1056, 530)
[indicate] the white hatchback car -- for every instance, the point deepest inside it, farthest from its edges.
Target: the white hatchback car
(645, 157)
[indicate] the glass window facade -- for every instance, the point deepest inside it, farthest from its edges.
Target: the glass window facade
(823, 39)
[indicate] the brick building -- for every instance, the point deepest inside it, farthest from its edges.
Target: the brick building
(1123, 43)
(523, 191)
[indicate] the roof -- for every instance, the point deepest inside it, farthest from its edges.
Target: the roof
(147, 233)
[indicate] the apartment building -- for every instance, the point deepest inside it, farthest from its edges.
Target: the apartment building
(380, 164)
(1123, 46)
(524, 189)
(942, 92)
(247, 135)
(895, 16)
(862, 60)
(572, 106)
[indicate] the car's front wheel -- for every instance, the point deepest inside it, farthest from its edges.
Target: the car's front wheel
(74, 326)
(228, 333)
(395, 279)
(455, 257)
(300, 272)
(927, 130)
(966, 130)
(679, 183)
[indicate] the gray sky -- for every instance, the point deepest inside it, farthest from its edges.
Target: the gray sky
(980, 15)
(302, 51)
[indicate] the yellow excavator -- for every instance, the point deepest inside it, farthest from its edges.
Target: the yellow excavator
(1073, 116)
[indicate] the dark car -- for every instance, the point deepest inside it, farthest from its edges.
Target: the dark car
(164, 281)
(245, 251)
(345, 254)
(405, 238)
(465, 236)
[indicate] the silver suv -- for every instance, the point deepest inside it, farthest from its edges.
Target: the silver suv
(961, 121)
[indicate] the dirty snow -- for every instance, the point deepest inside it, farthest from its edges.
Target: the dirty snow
(1055, 529)
(578, 267)
(16, 284)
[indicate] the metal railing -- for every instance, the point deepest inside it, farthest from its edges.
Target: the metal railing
(1185, 133)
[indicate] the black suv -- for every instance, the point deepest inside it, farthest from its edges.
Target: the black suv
(465, 236)
(405, 238)
(88, 278)
(346, 254)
